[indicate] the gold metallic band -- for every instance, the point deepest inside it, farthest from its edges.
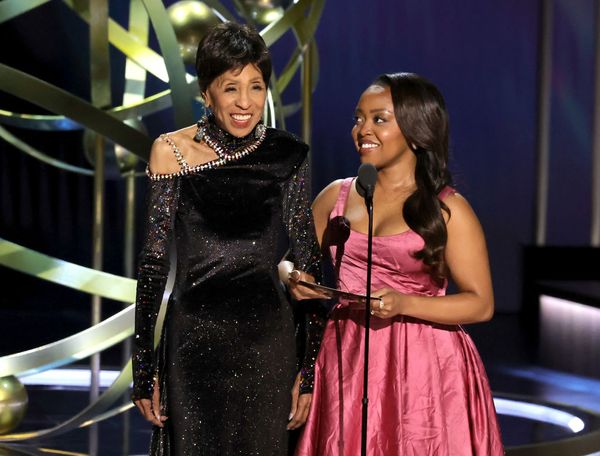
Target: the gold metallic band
(64, 273)
(59, 101)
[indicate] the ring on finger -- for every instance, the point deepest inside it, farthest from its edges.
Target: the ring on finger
(295, 275)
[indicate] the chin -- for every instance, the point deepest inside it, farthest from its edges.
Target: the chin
(241, 132)
(366, 158)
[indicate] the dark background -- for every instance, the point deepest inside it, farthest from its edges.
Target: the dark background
(482, 55)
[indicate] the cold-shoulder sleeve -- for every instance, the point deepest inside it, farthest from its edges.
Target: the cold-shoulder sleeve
(153, 270)
(306, 256)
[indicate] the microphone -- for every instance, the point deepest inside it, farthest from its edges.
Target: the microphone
(365, 182)
(365, 186)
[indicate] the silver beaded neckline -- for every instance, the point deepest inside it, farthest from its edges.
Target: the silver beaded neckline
(224, 157)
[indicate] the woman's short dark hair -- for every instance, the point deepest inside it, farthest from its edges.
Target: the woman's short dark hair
(422, 116)
(229, 46)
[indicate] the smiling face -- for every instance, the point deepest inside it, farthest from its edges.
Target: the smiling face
(377, 136)
(237, 98)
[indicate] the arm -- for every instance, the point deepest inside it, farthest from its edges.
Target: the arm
(298, 220)
(322, 207)
(305, 251)
(153, 269)
(467, 258)
(315, 320)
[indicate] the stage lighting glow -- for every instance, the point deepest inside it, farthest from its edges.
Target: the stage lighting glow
(69, 378)
(539, 412)
(557, 308)
(510, 407)
(569, 334)
(571, 382)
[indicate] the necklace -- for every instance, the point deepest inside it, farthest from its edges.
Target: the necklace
(227, 146)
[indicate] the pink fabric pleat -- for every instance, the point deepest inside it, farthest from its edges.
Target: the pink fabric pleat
(428, 390)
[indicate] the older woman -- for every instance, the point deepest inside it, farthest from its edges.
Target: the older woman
(225, 189)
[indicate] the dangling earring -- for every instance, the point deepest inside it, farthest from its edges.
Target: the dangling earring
(260, 130)
(201, 125)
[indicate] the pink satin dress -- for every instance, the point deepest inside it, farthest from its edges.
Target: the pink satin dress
(428, 391)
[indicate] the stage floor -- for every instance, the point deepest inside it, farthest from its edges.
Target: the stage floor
(559, 404)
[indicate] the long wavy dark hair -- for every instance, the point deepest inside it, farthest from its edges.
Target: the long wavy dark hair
(421, 114)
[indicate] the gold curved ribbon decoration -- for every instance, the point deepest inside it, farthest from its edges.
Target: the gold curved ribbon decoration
(134, 50)
(73, 348)
(149, 60)
(81, 345)
(88, 416)
(10, 450)
(182, 98)
(61, 272)
(32, 152)
(147, 106)
(78, 346)
(50, 97)
(304, 27)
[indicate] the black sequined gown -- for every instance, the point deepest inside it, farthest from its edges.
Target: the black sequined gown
(227, 357)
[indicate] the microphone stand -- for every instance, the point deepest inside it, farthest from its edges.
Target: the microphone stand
(365, 399)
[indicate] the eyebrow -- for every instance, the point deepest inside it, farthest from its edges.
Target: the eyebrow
(376, 110)
(235, 81)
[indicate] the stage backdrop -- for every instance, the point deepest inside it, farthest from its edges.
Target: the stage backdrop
(482, 55)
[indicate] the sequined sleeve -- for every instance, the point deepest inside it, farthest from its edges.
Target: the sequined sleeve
(306, 256)
(153, 269)
(299, 223)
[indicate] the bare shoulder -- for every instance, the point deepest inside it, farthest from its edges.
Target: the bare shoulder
(325, 200)
(183, 137)
(461, 212)
(163, 159)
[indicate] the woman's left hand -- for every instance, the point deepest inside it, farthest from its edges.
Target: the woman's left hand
(389, 305)
(299, 291)
(300, 406)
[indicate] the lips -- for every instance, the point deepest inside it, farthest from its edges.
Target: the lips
(367, 146)
(241, 120)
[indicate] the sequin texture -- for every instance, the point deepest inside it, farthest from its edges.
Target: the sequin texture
(227, 358)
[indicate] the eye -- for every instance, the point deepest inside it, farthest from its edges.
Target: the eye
(258, 87)
(230, 89)
(379, 119)
(357, 120)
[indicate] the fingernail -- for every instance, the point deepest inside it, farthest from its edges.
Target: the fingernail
(291, 416)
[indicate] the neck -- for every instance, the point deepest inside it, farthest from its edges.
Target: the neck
(210, 131)
(399, 177)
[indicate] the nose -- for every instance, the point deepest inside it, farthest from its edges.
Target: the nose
(243, 100)
(364, 128)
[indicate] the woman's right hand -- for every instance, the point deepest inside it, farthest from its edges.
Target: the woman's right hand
(300, 292)
(150, 409)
